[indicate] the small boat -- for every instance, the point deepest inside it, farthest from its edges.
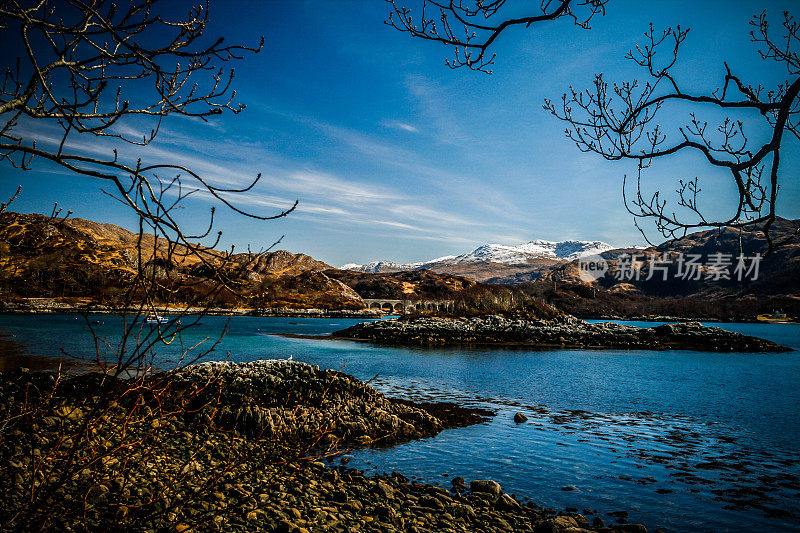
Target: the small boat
(154, 319)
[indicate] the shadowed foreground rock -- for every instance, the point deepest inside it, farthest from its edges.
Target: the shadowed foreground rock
(567, 332)
(299, 404)
(246, 468)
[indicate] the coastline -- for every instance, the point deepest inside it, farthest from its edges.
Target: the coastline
(671, 318)
(430, 460)
(291, 482)
(53, 305)
(56, 305)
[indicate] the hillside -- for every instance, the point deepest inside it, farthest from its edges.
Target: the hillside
(76, 258)
(96, 262)
(778, 273)
(776, 287)
(413, 284)
(40, 257)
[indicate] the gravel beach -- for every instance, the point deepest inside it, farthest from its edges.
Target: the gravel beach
(264, 455)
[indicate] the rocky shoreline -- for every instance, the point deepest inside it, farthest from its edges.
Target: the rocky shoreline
(53, 305)
(564, 332)
(678, 319)
(253, 448)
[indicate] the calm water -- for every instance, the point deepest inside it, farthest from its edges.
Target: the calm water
(683, 441)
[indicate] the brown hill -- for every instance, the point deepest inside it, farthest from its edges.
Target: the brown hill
(498, 273)
(423, 284)
(42, 257)
(45, 258)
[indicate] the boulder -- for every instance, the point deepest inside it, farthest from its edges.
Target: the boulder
(507, 503)
(486, 486)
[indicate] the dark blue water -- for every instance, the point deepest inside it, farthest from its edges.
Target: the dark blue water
(684, 441)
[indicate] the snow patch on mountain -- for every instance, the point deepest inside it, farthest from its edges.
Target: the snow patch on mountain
(380, 266)
(497, 253)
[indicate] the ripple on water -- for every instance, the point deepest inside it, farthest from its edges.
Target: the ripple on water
(659, 465)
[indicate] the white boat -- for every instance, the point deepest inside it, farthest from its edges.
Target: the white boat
(154, 319)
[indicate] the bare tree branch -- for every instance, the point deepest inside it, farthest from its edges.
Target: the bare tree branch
(471, 47)
(624, 121)
(619, 122)
(86, 67)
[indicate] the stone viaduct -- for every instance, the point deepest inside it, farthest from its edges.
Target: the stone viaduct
(408, 306)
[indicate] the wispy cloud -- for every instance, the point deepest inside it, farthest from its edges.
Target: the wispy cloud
(436, 108)
(325, 197)
(320, 184)
(328, 198)
(396, 124)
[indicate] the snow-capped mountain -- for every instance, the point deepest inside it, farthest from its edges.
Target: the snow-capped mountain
(523, 254)
(380, 266)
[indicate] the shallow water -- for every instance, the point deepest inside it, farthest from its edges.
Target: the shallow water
(684, 441)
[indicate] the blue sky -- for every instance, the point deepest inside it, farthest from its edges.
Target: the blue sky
(394, 156)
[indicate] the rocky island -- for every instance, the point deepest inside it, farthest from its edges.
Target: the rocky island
(563, 331)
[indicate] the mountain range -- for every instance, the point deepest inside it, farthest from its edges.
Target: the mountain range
(497, 263)
(95, 262)
(777, 273)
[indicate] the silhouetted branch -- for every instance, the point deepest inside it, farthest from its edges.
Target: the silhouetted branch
(471, 47)
(620, 121)
(4, 205)
(85, 67)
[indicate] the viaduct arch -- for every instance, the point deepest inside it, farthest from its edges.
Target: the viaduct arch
(408, 306)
